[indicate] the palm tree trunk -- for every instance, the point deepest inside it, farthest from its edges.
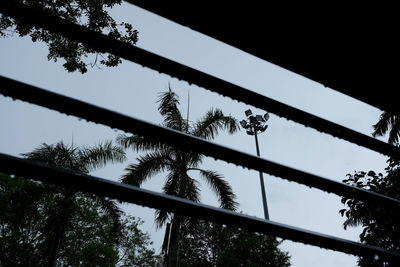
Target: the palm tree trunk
(60, 226)
(174, 241)
(54, 245)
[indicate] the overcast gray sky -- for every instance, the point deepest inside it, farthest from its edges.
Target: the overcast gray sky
(133, 90)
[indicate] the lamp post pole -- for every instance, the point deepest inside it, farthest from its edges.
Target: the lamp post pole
(264, 197)
(253, 125)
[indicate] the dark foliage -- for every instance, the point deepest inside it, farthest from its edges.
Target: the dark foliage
(64, 205)
(92, 14)
(388, 123)
(179, 165)
(210, 244)
(28, 211)
(381, 226)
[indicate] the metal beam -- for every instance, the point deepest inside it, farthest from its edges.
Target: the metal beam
(127, 193)
(106, 44)
(80, 109)
(343, 49)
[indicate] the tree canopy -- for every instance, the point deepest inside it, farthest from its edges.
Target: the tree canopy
(26, 210)
(93, 14)
(381, 225)
(211, 244)
(80, 159)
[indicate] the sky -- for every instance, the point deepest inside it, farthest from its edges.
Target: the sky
(133, 90)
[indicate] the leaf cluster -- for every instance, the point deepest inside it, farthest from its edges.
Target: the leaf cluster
(381, 226)
(93, 14)
(82, 159)
(27, 213)
(388, 123)
(211, 244)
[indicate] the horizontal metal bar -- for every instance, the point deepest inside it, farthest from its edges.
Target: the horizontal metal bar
(127, 193)
(80, 109)
(209, 82)
(307, 42)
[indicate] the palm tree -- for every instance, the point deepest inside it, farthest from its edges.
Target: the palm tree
(179, 164)
(81, 159)
(388, 121)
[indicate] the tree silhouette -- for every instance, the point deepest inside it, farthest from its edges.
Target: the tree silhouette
(388, 123)
(90, 240)
(212, 244)
(91, 14)
(178, 164)
(81, 159)
(380, 224)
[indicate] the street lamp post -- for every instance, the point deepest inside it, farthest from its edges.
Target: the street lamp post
(254, 125)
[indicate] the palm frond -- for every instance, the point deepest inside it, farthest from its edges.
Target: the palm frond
(111, 209)
(95, 157)
(352, 222)
(44, 153)
(180, 185)
(140, 143)
(189, 159)
(382, 126)
(192, 189)
(195, 159)
(58, 155)
(221, 188)
(162, 216)
(214, 121)
(168, 108)
(171, 186)
(388, 121)
(147, 166)
(394, 133)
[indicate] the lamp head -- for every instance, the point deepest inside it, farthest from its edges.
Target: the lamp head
(250, 132)
(244, 124)
(262, 129)
(248, 112)
(259, 118)
(266, 116)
